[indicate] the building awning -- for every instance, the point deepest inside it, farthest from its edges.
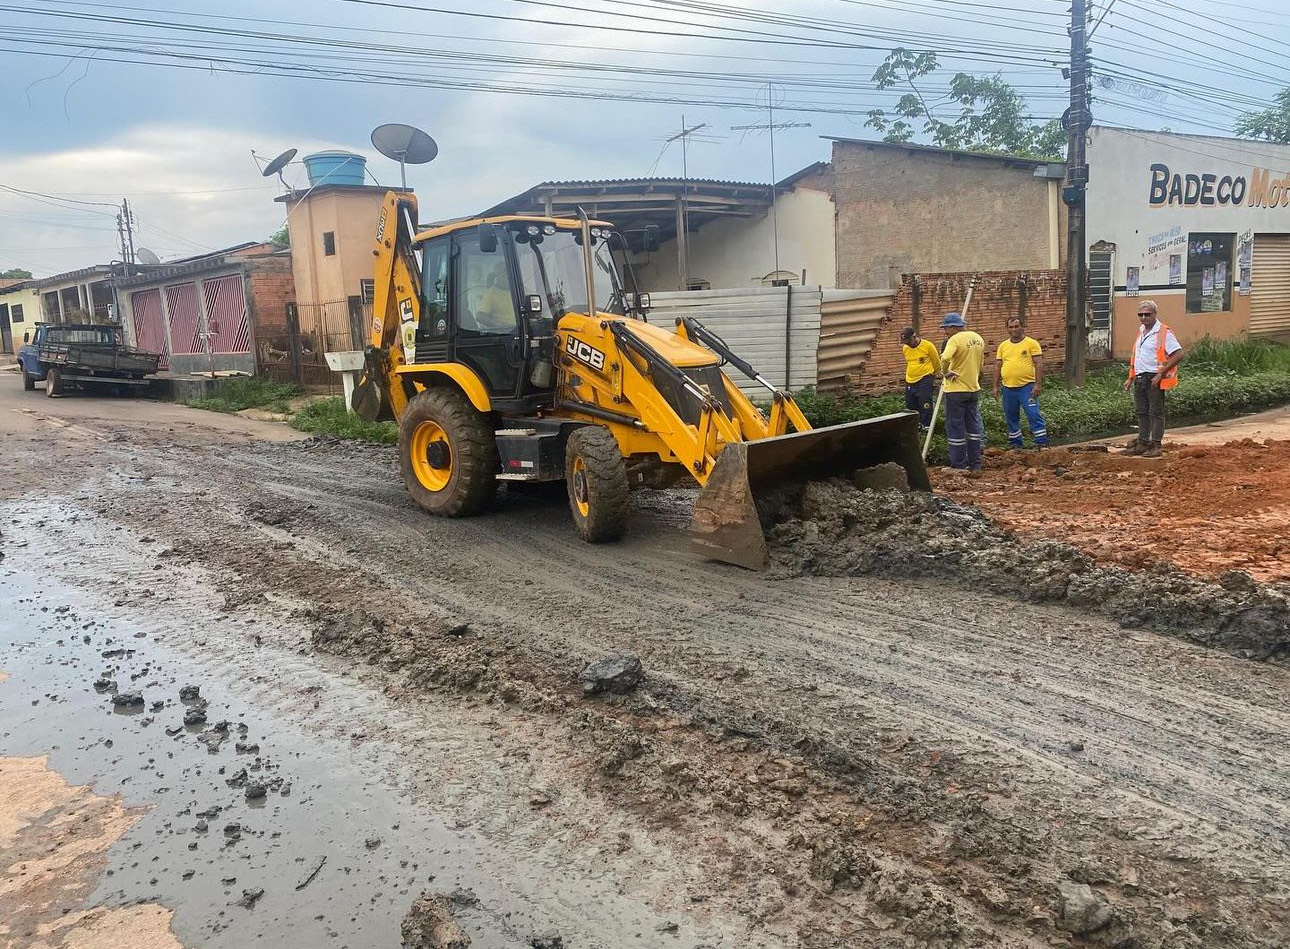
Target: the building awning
(632, 204)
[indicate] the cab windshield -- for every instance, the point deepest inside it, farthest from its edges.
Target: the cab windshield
(552, 268)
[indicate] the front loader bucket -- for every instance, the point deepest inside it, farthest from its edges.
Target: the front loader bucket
(726, 525)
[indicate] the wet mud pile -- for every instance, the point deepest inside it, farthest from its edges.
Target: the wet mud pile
(834, 528)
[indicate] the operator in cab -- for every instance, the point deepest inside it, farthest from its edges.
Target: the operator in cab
(495, 312)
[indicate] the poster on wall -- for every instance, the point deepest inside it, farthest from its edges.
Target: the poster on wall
(1207, 281)
(1220, 275)
(1132, 281)
(1245, 249)
(1243, 287)
(1175, 270)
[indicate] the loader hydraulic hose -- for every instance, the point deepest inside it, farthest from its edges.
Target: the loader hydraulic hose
(595, 411)
(700, 333)
(626, 339)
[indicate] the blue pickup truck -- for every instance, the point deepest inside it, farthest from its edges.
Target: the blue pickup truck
(62, 355)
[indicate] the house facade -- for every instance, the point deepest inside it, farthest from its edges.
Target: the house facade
(213, 312)
(1200, 224)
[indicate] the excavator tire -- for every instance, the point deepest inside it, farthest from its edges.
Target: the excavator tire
(596, 475)
(448, 454)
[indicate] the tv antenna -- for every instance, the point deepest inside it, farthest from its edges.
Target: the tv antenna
(275, 167)
(406, 144)
(147, 257)
(683, 223)
(770, 126)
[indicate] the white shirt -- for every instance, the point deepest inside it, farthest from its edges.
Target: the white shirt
(1145, 359)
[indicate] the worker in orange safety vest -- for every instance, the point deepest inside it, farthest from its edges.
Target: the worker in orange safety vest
(1153, 370)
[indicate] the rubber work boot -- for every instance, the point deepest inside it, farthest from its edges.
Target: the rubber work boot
(1153, 451)
(1136, 447)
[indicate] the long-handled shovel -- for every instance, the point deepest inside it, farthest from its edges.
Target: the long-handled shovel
(940, 390)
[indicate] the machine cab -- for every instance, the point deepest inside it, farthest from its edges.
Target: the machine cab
(494, 293)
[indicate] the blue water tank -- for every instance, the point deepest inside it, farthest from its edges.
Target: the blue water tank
(335, 168)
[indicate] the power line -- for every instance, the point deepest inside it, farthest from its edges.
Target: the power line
(494, 40)
(55, 197)
(1105, 11)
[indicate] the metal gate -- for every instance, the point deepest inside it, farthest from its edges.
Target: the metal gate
(1101, 295)
(227, 327)
(149, 328)
(1270, 286)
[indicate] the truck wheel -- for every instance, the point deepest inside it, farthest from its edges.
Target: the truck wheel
(448, 454)
(28, 383)
(53, 382)
(596, 475)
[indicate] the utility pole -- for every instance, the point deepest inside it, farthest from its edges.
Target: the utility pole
(125, 231)
(1078, 120)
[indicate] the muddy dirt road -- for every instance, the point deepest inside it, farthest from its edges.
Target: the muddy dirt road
(810, 762)
(1209, 508)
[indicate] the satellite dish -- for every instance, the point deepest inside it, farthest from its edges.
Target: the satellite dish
(275, 167)
(406, 144)
(147, 257)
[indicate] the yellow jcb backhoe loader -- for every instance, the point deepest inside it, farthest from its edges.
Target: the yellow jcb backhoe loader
(509, 350)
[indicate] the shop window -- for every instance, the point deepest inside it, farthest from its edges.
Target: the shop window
(329, 243)
(1209, 272)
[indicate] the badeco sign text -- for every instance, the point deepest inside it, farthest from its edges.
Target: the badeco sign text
(1259, 190)
(1194, 189)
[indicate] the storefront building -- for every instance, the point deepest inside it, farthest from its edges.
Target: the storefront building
(1199, 224)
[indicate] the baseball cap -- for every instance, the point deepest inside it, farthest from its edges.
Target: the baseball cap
(953, 319)
(908, 332)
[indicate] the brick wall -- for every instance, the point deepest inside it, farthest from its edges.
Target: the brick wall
(270, 288)
(1038, 296)
(906, 210)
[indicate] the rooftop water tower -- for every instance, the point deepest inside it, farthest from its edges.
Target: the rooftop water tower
(335, 168)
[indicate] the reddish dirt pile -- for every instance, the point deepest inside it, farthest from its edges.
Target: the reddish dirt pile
(1207, 509)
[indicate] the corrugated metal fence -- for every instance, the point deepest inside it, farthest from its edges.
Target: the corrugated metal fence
(774, 328)
(849, 323)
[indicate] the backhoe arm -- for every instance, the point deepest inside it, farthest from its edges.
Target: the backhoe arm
(396, 310)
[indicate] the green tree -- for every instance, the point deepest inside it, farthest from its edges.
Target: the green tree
(16, 273)
(990, 115)
(1271, 125)
(281, 237)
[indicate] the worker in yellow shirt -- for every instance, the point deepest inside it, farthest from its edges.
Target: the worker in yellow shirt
(1019, 374)
(922, 363)
(961, 365)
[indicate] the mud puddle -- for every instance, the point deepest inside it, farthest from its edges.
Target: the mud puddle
(259, 825)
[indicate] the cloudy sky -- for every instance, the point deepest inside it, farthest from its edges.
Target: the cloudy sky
(164, 103)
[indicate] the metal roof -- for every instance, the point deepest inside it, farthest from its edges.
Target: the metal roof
(72, 276)
(604, 190)
(632, 204)
(199, 264)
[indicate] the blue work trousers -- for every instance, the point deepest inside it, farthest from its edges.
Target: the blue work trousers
(1015, 399)
(919, 397)
(963, 429)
